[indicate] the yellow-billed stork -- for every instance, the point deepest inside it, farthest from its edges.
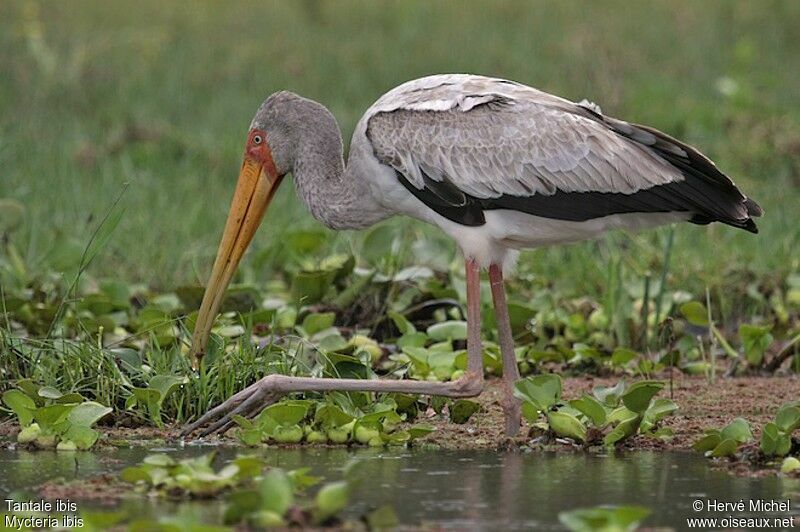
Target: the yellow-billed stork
(497, 165)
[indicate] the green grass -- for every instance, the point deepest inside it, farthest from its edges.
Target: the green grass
(159, 96)
(152, 100)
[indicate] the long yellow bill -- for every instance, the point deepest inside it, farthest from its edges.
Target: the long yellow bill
(254, 191)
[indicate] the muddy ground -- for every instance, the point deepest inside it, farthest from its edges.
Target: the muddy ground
(702, 405)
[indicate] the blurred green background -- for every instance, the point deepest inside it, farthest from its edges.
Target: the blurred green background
(159, 95)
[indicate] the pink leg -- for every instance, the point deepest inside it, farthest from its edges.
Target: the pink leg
(511, 405)
(252, 399)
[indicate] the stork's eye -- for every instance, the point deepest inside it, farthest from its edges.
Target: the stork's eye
(257, 139)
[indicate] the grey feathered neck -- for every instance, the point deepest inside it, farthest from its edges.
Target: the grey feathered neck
(305, 140)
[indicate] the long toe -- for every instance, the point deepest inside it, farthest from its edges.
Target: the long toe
(221, 410)
(260, 398)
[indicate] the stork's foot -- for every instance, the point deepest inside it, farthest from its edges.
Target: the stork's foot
(246, 403)
(254, 398)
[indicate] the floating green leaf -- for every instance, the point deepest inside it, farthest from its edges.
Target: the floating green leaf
(566, 425)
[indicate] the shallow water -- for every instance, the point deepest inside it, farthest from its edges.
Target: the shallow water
(475, 490)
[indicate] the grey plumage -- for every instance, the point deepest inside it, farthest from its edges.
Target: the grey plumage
(498, 140)
(464, 145)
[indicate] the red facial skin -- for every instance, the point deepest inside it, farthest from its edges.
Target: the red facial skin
(260, 151)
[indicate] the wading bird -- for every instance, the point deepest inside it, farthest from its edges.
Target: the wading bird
(497, 165)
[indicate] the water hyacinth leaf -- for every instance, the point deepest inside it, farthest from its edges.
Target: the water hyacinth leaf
(788, 418)
(519, 316)
(419, 359)
(448, 330)
(302, 480)
(241, 503)
(567, 426)
(543, 391)
(695, 313)
(737, 430)
(637, 398)
(605, 518)
(402, 323)
(378, 243)
(288, 434)
(420, 430)
(48, 392)
(442, 364)
(445, 346)
(398, 437)
(252, 436)
(591, 408)
(264, 519)
(330, 340)
(330, 415)
(48, 416)
(277, 492)
(166, 384)
(316, 322)
(790, 463)
(658, 410)
(774, 442)
(248, 466)
(309, 287)
(462, 409)
(707, 442)
(148, 397)
(383, 518)
(609, 396)
(29, 434)
(134, 475)
(530, 412)
(755, 341)
(31, 389)
(620, 414)
(287, 413)
(70, 398)
(622, 431)
(88, 413)
(769, 439)
(331, 499)
(621, 356)
(664, 433)
(242, 421)
(82, 436)
(725, 448)
(21, 405)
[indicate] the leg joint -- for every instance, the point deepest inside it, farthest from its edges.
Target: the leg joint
(470, 385)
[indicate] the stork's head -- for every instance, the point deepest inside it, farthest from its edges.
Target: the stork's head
(268, 156)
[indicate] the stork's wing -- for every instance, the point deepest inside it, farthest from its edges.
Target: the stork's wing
(464, 147)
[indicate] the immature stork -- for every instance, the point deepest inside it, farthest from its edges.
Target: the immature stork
(497, 165)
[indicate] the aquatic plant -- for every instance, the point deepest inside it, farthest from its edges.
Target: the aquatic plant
(610, 415)
(335, 419)
(725, 441)
(606, 518)
(51, 419)
(257, 495)
(776, 436)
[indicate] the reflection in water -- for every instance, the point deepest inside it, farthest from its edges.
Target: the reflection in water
(461, 489)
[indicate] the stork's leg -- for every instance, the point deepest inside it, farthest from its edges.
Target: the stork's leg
(511, 405)
(251, 400)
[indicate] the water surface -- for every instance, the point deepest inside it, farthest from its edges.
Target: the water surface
(475, 490)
